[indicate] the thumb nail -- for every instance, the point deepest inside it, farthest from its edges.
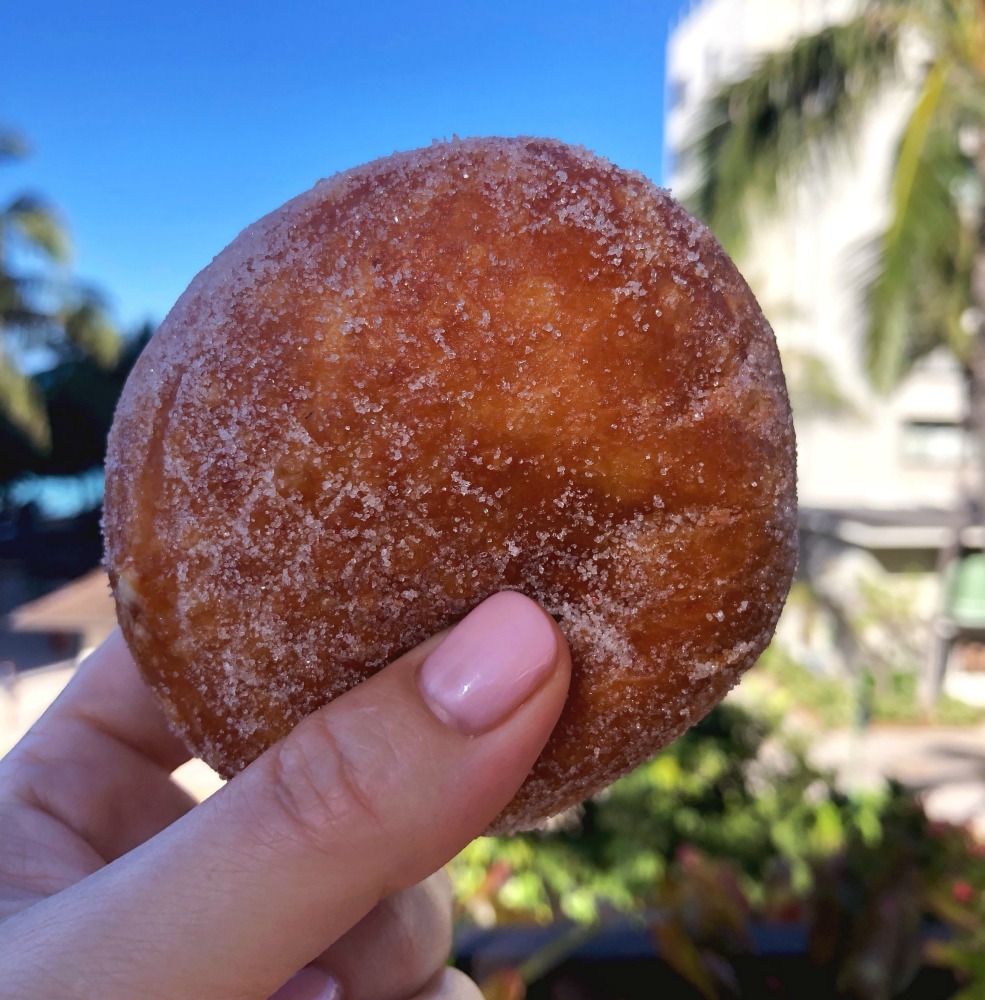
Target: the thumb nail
(490, 663)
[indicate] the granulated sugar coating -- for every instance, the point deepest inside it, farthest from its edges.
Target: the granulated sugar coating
(489, 364)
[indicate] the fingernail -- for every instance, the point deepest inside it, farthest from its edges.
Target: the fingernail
(310, 984)
(491, 662)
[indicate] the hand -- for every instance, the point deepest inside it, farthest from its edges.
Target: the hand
(114, 884)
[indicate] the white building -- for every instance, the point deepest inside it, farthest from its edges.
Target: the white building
(882, 480)
(805, 267)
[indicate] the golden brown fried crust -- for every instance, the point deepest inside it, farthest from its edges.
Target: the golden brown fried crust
(489, 364)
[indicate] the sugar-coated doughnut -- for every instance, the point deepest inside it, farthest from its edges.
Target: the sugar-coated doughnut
(488, 364)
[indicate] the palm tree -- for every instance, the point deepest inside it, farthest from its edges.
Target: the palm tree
(760, 134)
(40, 311)
(27, 221)
(785, 120)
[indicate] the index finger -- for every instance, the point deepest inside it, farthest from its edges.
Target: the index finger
(108, 696)
(99, 760)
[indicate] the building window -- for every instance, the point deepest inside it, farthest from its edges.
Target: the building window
(939, 443)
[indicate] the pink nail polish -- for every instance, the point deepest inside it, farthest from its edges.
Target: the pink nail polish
(491, 662)
(310, 984)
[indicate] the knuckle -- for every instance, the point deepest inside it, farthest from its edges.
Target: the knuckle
(412, 928)
(441, 887)
(420, 930)
(404, 947)
(440, 894)
(319, 789)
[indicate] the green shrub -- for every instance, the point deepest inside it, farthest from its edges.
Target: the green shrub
(714, 790)
(730, 824)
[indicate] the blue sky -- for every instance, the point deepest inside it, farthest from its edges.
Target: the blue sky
(162, 129)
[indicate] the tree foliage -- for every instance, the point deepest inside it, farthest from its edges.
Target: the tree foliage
(799, 109)
(62, 361)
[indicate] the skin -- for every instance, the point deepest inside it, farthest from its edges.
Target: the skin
(320, 857)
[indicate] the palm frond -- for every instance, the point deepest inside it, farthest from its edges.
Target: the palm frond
(89, 329)
(25, 319)
(38, 225)
(13, 146)
(814, 388)
(22, 406)
(35, 288)
(792, 110)
(954, 29)
(920, 283)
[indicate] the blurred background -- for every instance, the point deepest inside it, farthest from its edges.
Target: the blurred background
(820, 834)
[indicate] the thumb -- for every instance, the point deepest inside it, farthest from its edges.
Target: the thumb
(367, 796)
